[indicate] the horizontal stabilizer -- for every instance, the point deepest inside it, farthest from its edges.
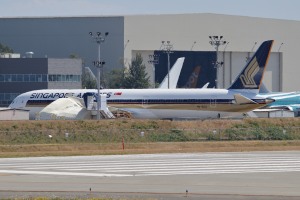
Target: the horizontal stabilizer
(240, 99)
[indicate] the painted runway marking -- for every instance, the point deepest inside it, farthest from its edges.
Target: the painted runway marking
(154, 164)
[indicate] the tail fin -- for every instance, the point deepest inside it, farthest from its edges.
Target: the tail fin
(251, 76)
(263, 88)
(193, 79)
(174, 75)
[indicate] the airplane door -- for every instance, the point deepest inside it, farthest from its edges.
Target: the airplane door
(145, 101)
(213, 102)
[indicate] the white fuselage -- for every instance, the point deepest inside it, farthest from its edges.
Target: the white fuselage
(151, 103)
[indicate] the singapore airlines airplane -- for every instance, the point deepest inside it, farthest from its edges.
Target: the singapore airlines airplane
(242, 96)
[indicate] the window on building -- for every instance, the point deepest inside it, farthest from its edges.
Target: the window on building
(44, 77)
(26, 78)
(20, 77)
(32, 78)
(7, 78)
(13, 77)
(39, 77)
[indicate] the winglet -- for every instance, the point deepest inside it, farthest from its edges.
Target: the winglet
(205, 86)
(251, 76)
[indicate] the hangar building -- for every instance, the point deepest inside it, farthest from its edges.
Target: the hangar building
(19, 75)
(60, 37)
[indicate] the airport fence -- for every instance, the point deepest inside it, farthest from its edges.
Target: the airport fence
(113, 135)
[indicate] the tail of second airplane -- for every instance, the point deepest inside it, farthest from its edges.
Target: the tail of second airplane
(193, 78)
(251, 76)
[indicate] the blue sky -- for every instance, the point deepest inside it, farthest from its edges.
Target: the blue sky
(278, 9)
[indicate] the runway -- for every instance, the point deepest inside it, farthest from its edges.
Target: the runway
(244, 173)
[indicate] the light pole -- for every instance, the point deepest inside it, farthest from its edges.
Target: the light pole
(280, 46)
(193, 45)
(153, 60)
(99, 39)
(167, 47)
(248, 58)
(217, 41)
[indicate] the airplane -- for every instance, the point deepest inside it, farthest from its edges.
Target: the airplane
(242, 96)
(283, 100)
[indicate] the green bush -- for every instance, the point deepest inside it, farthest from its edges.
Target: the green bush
(276, 133)
(173, 136)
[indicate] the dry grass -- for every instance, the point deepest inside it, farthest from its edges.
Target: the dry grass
(144, 148)
(14, 129)
(135, 123)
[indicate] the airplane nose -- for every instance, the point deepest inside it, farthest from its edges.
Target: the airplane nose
(268, 100)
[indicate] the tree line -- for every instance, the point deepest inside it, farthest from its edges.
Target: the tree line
(5, 49)
(133, 77)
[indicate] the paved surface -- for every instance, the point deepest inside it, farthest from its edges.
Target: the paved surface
(249, 175)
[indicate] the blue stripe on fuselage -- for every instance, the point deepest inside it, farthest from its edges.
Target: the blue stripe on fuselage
(154, 101)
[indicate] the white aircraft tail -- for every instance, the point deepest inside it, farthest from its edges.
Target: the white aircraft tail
(174, 75)
(263, 89)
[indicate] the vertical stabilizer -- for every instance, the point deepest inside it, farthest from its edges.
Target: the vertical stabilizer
(251, 76)
(193, 78)
(263, 89)
(174, 75)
